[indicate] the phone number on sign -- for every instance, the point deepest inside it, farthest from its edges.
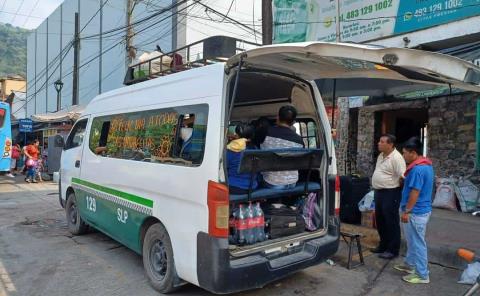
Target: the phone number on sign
(446, 5)
(354, 13)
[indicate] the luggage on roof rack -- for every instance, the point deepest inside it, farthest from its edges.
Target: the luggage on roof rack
(201, 53)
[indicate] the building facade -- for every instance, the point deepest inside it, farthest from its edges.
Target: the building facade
(16, 85)
(105, 51)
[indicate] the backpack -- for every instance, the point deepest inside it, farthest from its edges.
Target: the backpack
(311, 212)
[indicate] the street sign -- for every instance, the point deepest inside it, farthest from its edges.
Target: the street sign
(25, 125)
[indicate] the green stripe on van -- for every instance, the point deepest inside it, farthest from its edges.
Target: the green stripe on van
(127, 196)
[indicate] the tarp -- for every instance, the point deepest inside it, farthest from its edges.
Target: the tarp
(68, 113)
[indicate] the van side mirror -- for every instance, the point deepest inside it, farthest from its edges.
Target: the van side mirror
(59, 141)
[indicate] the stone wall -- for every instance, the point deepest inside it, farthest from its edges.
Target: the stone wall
(366, 142)
(451, 134)
(452, 145)
(342, 134)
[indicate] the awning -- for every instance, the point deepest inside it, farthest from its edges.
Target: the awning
(69, 113)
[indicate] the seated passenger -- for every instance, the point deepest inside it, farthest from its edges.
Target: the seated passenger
(239, 183)
(186, 136)
(282, 135)
(261, 125)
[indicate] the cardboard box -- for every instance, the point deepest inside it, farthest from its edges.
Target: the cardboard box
(368, 219)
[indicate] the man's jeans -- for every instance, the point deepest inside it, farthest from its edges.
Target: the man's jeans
(414, 232)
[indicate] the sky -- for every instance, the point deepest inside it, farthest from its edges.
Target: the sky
(27, 14)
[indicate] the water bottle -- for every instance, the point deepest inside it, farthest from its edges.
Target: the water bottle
(241, 226)
(251, 225)
(260, 223)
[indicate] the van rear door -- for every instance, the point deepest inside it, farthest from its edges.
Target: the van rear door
(357, 66)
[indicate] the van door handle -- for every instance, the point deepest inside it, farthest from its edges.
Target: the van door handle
(77, 163)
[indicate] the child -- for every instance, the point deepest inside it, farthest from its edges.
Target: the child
(39, 170)
(239, 183)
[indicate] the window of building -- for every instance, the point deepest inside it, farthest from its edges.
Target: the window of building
(171, 135)
(75, 139)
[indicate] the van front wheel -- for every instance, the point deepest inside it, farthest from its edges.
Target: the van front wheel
(76, 226)
(158, 259)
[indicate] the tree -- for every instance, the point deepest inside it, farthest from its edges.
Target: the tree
(13, 50)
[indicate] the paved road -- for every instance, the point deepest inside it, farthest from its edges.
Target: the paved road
(38, 256)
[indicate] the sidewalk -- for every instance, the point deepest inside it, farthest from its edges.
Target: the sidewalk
(447, 231)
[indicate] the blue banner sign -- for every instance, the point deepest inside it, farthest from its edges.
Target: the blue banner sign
(25, 125)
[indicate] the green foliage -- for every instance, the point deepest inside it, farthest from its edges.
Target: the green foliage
(13, 50)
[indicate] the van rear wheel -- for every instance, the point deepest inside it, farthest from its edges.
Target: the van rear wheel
(158, 259)
(75, 223)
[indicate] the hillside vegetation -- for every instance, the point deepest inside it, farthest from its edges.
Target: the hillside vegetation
(13, 50)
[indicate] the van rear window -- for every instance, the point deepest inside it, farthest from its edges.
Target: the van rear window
(171, 135)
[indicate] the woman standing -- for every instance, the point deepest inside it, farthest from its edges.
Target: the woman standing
(32, 153)
(16, 151)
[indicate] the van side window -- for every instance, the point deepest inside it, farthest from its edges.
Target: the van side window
(171, 135)
(75, 138)
(308, 131)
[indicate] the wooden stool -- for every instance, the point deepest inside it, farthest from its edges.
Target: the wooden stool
(354, 237)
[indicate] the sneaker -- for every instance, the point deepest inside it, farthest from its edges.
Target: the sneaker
(405, 268)
(34, 181)
(415, 279)
(10, 175)
(28, 180)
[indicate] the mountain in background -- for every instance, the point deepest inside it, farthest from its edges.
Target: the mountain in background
(13, 50)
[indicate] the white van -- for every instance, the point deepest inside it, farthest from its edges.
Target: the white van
(126, 172)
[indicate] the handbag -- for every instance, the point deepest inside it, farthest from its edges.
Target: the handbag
(15, 153)
(30, 162)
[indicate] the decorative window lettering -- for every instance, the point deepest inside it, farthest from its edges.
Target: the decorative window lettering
(172, 135)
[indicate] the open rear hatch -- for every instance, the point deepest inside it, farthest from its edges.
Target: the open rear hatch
(359, 70)
(364, 70)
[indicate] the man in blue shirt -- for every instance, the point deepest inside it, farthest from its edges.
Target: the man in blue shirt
(416, 207)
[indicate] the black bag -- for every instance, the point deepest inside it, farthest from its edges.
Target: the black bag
(283, 221)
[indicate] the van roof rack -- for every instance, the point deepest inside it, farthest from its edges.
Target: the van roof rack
(198, 54)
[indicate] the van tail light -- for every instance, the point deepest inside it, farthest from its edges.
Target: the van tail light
(218, 212)
(337, 196)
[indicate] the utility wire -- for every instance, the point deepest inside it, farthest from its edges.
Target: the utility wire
(98, 10)
(44, 84)
(209, 8)
(30, 13)
(18, 9)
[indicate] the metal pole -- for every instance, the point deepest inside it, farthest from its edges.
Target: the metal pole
(267, 22)
(129, 36)
(76, 56)
(100, 60)
(337, 22)
(58, 100)
(46, 73)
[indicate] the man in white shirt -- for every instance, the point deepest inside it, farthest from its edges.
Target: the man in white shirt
(386, 182)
